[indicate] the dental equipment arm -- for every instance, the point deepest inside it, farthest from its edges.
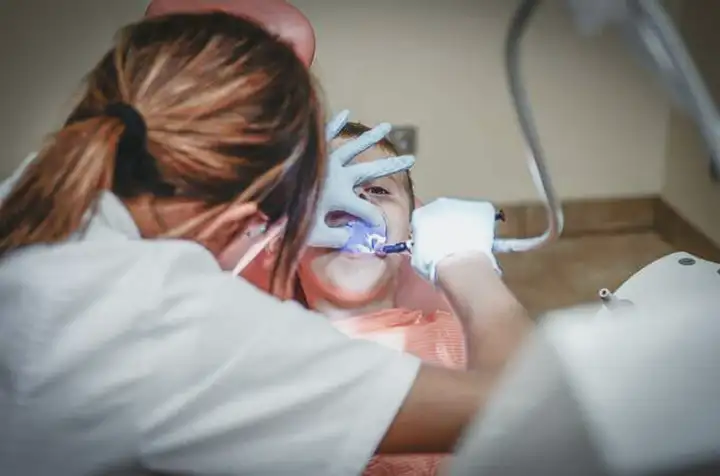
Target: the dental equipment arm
(536, 157)
(648, 30)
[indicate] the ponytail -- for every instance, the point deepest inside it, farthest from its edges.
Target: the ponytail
(51, 198)
(233, 115)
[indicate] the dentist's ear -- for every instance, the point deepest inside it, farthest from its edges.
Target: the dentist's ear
(229, 226)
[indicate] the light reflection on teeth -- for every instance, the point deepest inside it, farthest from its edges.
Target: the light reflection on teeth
(363, 238)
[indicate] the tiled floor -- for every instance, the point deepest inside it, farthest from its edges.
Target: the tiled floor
(573, 270)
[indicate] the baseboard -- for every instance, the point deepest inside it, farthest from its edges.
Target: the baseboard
(612, 216)
(682, 235)
(582, 217)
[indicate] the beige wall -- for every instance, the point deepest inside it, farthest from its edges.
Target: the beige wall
(437, 65)
(46, 46)
(687, 185)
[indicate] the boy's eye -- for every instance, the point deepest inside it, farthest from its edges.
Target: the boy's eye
(376, 190)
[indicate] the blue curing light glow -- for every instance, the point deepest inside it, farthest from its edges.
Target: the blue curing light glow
(364, 238)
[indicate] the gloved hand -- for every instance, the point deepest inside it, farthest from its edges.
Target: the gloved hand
(338, 193)
(449, 226)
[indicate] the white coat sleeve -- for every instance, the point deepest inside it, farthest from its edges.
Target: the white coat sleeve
(634, 392)
(533, 424)
(245, 384)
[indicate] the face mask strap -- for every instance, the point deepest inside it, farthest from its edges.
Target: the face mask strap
(256, 248)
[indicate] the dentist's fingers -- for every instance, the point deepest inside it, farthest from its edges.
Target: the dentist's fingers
(336, 124)
(348, 151)
(368, 171)
(364, 210)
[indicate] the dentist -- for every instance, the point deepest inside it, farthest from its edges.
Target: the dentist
(125, 349)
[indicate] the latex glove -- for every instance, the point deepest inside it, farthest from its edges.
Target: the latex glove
(338, 193)
(449, 226)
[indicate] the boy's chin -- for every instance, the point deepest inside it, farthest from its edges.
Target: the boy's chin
(358, 288)
(357, 279)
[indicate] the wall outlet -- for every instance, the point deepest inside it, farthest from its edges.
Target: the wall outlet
(404, 138)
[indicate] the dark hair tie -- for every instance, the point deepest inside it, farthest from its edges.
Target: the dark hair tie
(136, 170)
(135, 127)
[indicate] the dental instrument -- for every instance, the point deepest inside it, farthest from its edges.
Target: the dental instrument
(649, 31)
(400, 247)
(536, 157)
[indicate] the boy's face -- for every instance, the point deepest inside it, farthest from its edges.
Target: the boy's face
(355, 272)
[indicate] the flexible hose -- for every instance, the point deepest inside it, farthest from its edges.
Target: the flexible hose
(663, 43)
(536, 158)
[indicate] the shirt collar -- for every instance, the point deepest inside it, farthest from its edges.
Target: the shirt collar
(110, 218)
(110, 215)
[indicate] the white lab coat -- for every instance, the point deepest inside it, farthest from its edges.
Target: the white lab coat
(120, 355)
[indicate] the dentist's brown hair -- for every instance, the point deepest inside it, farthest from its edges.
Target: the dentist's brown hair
(232, 115)
(277, 16)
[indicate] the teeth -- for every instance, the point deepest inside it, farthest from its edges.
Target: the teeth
(364, 239)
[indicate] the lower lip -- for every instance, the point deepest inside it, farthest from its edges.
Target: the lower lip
(358, 256)
(339, 218)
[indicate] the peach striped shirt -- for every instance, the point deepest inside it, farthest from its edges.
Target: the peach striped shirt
(436, 338)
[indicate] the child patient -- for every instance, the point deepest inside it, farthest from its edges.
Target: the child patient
(375, 298)
(359, 294)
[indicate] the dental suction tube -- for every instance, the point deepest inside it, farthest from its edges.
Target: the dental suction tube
(650, 33)
(536, 157)
(650, 26)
